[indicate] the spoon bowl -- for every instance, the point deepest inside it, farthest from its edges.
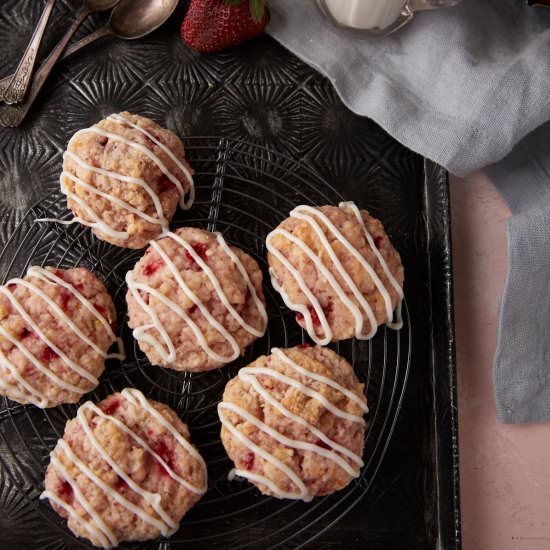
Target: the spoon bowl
(132, 19)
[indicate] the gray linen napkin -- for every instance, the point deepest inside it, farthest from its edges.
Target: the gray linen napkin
(467, 87)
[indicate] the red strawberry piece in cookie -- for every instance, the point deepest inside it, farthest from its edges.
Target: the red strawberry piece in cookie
(152, 267)
(167, 455)
(200, 249)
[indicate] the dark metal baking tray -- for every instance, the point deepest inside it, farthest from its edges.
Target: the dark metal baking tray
(264, 132)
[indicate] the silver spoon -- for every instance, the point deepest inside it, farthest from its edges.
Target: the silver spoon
(13, 115)
(17, 87)
(130, 19)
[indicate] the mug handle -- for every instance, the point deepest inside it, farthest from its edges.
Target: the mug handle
(404, 18)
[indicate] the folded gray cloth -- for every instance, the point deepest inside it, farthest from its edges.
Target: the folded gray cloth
(522, 360)
(466, 87)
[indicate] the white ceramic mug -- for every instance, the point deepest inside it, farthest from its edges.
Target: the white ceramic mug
(379, 17)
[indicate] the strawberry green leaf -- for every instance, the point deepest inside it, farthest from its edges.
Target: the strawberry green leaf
(232, 2)
(257, 9)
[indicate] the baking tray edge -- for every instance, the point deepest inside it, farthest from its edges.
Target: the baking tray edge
(443, 357)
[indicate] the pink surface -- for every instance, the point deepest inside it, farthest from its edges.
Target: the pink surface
(505, 470)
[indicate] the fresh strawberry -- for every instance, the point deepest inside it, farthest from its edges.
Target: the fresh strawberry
(214, 25)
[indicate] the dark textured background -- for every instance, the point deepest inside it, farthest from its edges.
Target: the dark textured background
(261, 94)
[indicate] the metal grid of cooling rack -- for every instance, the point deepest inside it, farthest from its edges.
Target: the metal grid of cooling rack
(243, 190)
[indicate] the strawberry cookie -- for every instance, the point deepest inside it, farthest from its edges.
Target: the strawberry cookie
(337, 269)
(124, 178)
(55, 329)
(124, 471)
(292, 423)
(195, 302)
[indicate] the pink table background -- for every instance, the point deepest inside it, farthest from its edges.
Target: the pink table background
(505, 470)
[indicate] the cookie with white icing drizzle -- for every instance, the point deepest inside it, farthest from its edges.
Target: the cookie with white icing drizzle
(124, 178)
(337, 269)
(124, 471)
(194, 301)
(292, 423)
(56, 327)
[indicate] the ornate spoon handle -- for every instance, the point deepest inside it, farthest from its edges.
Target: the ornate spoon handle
(77, 46)
(13, 115)
(17, 88)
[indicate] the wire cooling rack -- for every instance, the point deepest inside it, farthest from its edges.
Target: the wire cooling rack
(244, 191)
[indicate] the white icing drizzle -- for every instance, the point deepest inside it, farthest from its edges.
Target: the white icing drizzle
(72, 512)
(160, 219)
(202, 308)
(134, 145)
(61, 314)
(185, 205)
(84, 373)
(176, 308)
(17, 394)
(310, 215)
(335, 285)
(141, 333)
(166, 525)
(96, 525)
(249, 375)
(308, 318)
(275, 490)
(353, 207)
(142, 443)
(97, 222)
(295, 444)
(217, 286)
(253, 381)
(36, 396)
(43, 369)
(51, 277)
(153, 499)
(244, 274)
(398, 323)
(303, 493)
(109, 491)
(297, 213)
(320, 378)
(356, 312)
(136, 397)
(307, 391)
